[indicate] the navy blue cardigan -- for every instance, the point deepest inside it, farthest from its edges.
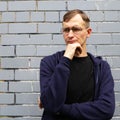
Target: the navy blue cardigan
(54, 74)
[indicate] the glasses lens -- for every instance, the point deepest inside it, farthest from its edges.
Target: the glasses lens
(75, 30)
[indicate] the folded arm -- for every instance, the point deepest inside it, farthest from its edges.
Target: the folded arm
(53, 83)
(102, 107)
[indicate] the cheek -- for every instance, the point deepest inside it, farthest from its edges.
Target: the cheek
(83, 35)
(82, 38)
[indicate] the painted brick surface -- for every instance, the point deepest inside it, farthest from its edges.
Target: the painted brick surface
(3, 6)
(22, 28)
(30, 30)
(21, 5)
(53, 5)
(3, 28)
(7, 98)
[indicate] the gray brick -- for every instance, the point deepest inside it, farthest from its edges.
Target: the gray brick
(29, 50)
(8, 17)
(21, 118)
(52, 16)
(14, 39)
(26, 75)
(117, 97)
(112, 5)
(49, 28)
(0, 16)
(117, 111)
(116, 74)
(7, 51)
(116, 38)
(37, 16)
(14, 62)
(47, 50)
(24, 87)
(94, 26)
(61, 15)
(36, 86)
(20, 87)
(26, 39)
(96, 15)
(18, 110)
(6, 75)
(27, 98)
(3, 86)
(106, 50)
(91, 49)
(21, 5)
(22, 28)
(109, 27)
(51, 5)
(58, 39)
(41, 39)
(3, 5)
(22, 16)
(111, 15)
(3, 28)
(118, 15)
(114, 62)
(6, 98)
(108, 5)
(115, 118)
(109, 60)
(35, 62)
(100, 39)
(83, 5)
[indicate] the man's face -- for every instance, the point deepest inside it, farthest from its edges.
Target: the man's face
(75, 31)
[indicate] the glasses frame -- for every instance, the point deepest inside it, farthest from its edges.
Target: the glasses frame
(75, 30)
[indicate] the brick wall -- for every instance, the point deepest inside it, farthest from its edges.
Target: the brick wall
(30, 30)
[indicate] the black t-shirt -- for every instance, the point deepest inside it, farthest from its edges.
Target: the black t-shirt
(81, 83)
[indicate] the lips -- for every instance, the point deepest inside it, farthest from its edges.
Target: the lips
(71, 41)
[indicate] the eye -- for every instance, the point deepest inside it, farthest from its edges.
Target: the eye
(66, 29)
(76, 29)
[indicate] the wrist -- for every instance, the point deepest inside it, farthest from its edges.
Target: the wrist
(68, 56)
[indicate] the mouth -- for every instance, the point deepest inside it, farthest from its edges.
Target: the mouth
(71, 41)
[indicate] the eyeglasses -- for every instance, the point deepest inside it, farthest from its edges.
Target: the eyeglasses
(75, 30)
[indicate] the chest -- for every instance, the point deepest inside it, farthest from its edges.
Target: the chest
(81, 82)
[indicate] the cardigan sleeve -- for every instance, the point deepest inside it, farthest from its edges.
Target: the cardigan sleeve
(53, 83)
(102, 107)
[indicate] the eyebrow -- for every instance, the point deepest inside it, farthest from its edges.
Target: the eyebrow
(72, 26)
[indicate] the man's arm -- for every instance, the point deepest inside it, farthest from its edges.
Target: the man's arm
(102, 108)
(53, 83)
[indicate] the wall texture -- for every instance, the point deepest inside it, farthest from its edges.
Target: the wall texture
(30, 30)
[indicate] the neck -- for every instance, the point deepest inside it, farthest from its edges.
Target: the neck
(81, 53)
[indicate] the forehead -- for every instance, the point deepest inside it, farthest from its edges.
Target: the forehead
(74, 21)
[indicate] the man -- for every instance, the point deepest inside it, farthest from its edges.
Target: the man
(75, 85)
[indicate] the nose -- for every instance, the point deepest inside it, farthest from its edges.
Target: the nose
(70, 33)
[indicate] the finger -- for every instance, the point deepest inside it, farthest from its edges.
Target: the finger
(78, 50)
(39, 103)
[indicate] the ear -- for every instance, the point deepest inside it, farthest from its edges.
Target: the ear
(89, 31)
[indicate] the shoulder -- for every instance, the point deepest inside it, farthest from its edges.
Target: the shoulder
(99, 62)
(53, 58)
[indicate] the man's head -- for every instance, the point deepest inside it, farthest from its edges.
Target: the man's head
(70, 14)
(76, 27)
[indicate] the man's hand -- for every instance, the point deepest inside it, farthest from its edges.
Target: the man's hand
(39, 103)
(72, 50)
